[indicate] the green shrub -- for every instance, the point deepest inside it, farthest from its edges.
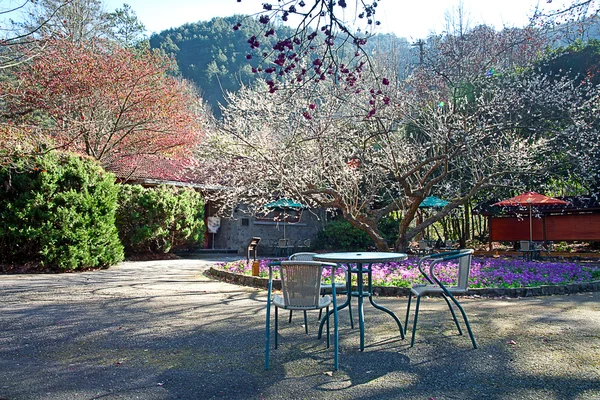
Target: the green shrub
(389, 227)
(160, 219)
(58, 210)
(341, 235)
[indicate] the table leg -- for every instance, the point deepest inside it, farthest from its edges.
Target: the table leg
(330, 312)
(382, 308)
(361, 311)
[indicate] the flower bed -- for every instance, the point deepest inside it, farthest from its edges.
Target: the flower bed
(486, 273)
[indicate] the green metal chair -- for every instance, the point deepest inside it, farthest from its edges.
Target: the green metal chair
(301, 290)
(463, 257)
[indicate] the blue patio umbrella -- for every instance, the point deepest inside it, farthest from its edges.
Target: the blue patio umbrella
(433, 202)
(285, 203)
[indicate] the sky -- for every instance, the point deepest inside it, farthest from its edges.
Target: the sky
(412, 19)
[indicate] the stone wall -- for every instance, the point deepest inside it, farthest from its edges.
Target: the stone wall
(236, 231)
(545, 290)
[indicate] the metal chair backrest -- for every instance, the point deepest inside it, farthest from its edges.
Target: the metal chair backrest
(282, 242)
(301, 284)
(423, 245)
(525, 245)
(464, 266)
(302, 256)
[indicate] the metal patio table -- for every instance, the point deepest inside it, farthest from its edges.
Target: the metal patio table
(362, 262)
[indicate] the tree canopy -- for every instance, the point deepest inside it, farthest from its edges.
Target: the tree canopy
(465, 121)
(104, 101)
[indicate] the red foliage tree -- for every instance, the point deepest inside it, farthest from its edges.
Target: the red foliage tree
(105, 101)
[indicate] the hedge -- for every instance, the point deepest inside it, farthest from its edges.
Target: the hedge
(58, 210)
(160, 219)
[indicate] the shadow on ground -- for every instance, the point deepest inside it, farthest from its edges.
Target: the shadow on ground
(162, 330)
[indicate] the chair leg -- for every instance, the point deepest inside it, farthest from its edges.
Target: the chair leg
(336, 338)
(350, 312)
(464, 315)
(276, 325)
(268, 336)
(414, 330)
(453, 313)
(407, 312)
(327, 313)
(305, 323)
(290, 319)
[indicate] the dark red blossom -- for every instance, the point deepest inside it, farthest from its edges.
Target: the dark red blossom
(253, 42)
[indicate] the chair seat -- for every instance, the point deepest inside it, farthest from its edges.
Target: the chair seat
(323, 302)
(421, 290)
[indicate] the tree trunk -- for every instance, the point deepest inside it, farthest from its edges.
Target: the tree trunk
(370, 227)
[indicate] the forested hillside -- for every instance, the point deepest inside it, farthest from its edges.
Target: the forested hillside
(214, 55)
(218, 58)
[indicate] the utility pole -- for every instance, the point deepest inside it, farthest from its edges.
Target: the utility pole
(420, 43)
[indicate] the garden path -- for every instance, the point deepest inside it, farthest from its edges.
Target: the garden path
(163, 330)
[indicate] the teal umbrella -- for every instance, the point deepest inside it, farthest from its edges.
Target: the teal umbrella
(433, 202)
(285, 203)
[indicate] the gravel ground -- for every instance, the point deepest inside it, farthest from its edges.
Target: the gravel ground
(163, 330)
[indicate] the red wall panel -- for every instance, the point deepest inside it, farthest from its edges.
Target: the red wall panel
(585, 227)
(510, 229)
(573, 227)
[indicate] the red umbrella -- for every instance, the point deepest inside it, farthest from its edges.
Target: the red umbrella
(530, 199)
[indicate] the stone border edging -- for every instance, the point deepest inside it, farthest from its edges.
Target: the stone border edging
(392, 291)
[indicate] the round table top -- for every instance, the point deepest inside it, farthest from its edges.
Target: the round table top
(360, 257)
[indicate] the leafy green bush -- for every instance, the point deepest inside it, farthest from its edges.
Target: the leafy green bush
(58, 210)
(389, 227)
(159, 219)
(340, 235)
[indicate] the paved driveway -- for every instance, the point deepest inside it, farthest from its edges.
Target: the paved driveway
(163, 330)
